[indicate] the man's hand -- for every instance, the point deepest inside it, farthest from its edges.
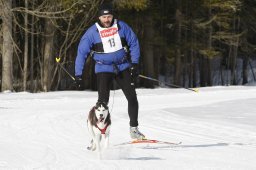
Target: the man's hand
(134, 71)
(79, 82)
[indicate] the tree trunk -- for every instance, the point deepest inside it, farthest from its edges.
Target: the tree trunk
(48, 52)
(209, 72)
(209, 68)
(235, 52)
(245, 70)
(194, 65)
(233, 65)
(194, 61)
(7, 55)
(203, 72)
(31, 70)
(25, 66)
(178, 51)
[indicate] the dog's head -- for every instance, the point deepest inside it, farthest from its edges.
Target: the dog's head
(99, 113)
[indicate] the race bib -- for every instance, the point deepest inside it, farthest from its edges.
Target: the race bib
(110, 38)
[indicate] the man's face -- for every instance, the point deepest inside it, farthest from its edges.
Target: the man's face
(106, 20)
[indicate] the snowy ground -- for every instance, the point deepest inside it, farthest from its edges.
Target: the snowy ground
(48, 130)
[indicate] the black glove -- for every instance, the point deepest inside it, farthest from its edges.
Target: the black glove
(79, 82)
(134, 71)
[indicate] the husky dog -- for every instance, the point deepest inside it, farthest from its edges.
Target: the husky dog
(99, 126)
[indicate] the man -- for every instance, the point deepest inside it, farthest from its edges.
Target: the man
(116, 52)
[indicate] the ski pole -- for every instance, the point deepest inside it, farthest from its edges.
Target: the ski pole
(63, 68)
(171, 85)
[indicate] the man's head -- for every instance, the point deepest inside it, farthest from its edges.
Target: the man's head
(106, 15)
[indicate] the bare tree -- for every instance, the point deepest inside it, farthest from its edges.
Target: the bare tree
(48, 57)
(7, 55)
(54, 28)
(25, 67)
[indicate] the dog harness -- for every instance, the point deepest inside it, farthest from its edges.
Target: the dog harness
(103, 131)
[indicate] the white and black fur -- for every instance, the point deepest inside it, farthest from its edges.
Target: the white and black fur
(99, 126)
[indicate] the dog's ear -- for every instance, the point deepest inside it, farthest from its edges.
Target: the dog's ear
(108, 119)
(91, 113)
(98, 104)
(92, 117)
(105, 105)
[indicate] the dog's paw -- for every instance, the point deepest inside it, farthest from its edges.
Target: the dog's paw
(90, 148)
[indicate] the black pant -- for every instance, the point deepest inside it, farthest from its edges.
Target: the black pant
(123, 79)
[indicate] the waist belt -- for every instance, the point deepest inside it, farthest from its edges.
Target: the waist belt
(114, 63)
(123, 60)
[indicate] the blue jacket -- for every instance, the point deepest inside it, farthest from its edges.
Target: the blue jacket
(105, 61)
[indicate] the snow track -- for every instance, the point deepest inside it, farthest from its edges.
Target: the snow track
(48, 130)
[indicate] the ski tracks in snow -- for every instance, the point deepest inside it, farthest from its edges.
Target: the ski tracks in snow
(190, 129)
(19, 141)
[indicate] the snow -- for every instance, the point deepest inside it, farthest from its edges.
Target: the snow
(48, 130)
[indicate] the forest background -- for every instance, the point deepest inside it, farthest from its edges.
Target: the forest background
(187, 43)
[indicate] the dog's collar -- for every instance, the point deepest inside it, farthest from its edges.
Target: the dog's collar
(103, 131)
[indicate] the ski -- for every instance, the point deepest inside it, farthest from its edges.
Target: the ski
(149, 141)
(154, 141)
